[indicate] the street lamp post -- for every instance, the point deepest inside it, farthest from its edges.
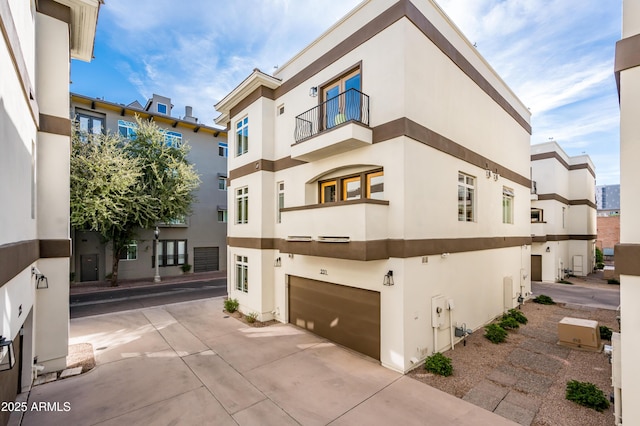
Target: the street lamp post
(156, 234)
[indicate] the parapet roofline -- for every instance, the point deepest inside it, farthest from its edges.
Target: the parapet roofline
(256, 79)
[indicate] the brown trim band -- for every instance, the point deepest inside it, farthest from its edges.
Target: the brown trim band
(553, 154)
(406, 127)
(627, 259)
(10, 34)
(15, 257)
(403, 8)
(575, 237)
(627, 53)
(390, 130)
(558, 197)
(260, 92)
(379, 249)
(55, 10)
(55, 248)
(55, 125)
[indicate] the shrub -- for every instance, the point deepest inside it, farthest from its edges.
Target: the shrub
(599, 265)
(495, 333)
(231, 305)
(586, 394)
(605, 332)
(565, 282)
(599, 256)
(509, 323)
(439, 364)
(252, 317)
(517, 315)
(544, 300)
(613, 281)
(185, 268)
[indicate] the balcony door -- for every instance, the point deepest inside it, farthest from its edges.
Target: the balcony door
(341, 103)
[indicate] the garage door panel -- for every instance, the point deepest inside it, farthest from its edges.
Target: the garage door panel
(346, 315)
(206, 259)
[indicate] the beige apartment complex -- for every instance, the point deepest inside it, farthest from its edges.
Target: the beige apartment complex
(563, 213)
(626, 372)
(379, 187)
(198, 240)
(38, 41)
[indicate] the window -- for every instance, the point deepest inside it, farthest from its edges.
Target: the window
(223, 149)
(536, 215)
(242, 136)
(127, 129)
(162, 108)
(171, 253)
(222, 216)
(280, 200)
(172, 138)
(180, 220)
(222, 183)
(351, 187)
(466, 198)
(341, 108)
(242, 274)
(564, 209)
(130, 252)
(242, 205)
(507, 205)
(91, 124)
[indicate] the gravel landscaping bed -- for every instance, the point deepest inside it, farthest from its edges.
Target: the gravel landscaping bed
(525, 377)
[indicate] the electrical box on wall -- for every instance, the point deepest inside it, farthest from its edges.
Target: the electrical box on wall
(438, 311)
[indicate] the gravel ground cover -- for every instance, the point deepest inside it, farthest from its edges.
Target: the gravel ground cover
(525, 378)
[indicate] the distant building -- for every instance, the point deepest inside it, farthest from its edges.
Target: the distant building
(608, 199)
(199, 239)
(39, 39)
(563, 213)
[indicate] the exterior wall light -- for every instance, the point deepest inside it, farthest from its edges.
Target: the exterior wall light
(388, 279)
(41, 280)
(488, 173)
(7, 357)
(277, 263)
(313, 92)
(496, 175)
(548, 250)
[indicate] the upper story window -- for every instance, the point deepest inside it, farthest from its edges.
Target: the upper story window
(368, 184)
(507, 205)
(91, 124)
(222, 183)
(280, 200)
(537, 215)
(172, 138)
(242, 136)
(466, 198)
(223, 149)
(242, 205)
(162, 108)
(127, 130)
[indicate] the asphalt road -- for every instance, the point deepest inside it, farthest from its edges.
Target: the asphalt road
(578, 295)
(82, 305)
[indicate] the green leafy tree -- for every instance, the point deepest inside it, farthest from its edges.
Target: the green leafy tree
(119, 186)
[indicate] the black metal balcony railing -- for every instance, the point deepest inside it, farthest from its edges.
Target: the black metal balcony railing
(351, 105)
(534, 187)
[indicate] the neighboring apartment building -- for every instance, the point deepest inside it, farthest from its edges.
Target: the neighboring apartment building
(608, 198)
(37, 43)
(627, 253)
(563, 213)
(379, 186)
(199, 239)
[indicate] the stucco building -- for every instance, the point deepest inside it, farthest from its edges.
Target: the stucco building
(563, 213)
(38, 41)
(626, 372)
(199, 239)
(379, 186)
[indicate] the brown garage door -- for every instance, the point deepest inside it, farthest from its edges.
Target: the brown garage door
(206, 259)
(346, 315)
(536, 267)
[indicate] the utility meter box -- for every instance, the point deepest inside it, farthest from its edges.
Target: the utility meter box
(579, 333)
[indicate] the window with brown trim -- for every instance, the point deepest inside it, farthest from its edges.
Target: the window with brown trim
(368, 184)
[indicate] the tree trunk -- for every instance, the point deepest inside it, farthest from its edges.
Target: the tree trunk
(114, 269)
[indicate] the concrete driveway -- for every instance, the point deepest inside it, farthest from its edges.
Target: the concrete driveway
(601, 298)
(186, 364)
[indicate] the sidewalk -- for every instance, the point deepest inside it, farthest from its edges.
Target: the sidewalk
(98, 286)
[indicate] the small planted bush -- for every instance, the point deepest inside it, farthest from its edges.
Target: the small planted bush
(544, 300)
(495, 333)
(231, 305)
(252, 317)
(586, 394)
(509, 323)
(439, 364)
(517, 315)
(605, 332)
(564, 282)
(613, 281)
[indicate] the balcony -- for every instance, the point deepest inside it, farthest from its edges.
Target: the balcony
(534, 190)
(335, 126)
(355, 220)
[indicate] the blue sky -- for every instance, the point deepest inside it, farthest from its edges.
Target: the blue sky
(556, 55)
